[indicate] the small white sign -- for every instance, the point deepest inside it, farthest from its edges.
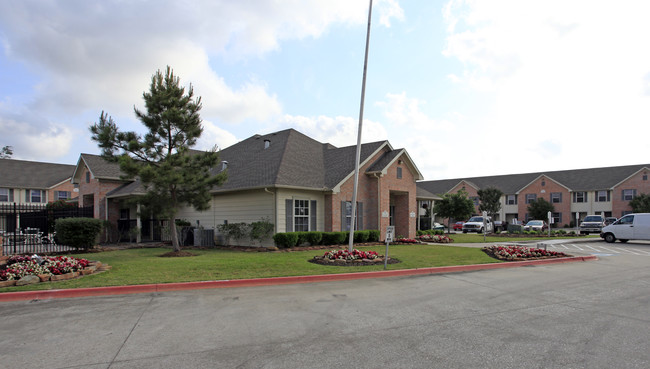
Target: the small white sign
(390, 233)
(384, 214)
(412, 214)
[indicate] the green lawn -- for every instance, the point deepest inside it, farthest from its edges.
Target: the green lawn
(144, 266)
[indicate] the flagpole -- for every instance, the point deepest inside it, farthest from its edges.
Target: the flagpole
(358, 154)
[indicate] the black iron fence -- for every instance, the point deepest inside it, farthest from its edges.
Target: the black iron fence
(27, 228)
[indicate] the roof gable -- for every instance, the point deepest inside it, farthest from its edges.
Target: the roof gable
(31, 174)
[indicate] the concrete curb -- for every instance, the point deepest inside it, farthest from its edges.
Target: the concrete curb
(163, 287)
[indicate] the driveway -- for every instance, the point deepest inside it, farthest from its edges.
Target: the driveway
(576, 315)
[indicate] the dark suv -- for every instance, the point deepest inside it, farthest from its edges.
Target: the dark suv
(592, 224)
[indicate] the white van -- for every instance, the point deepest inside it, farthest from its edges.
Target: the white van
(629, 227)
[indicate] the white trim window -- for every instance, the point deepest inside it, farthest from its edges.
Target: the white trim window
(530, 197)
(556, 197)
(6, 194)
(580, 196)
(62, 195)
(511, 199)
(602, 196)
(35, 196)
(301, 215)
(628, 195)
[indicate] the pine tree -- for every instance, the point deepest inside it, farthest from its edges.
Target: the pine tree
(171, 173)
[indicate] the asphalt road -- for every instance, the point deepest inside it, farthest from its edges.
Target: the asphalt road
(577, 315)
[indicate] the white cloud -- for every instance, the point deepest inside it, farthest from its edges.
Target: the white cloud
(339, 131)
(560, 76)
(40, 141)
(389, 9)
(214, 136)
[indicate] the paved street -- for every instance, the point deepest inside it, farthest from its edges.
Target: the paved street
(576, 315)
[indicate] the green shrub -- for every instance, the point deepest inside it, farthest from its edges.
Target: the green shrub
(361, 236)
(333, 238)
(374, 235)
(261, 230)
(235, 231)
(80, 233)
(286, 240)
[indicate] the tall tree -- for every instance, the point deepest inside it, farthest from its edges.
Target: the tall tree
(455, 206)
(640, 203)
(490, 198)
(539, 209)
(171, 173)
(6, 152)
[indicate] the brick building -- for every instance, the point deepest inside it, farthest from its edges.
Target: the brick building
(574, 194)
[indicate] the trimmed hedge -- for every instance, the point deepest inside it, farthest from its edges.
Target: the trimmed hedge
(80, 233)
(291, 239)
(333, 238)
(286, 240)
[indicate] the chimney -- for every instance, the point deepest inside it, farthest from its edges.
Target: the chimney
(267, 143)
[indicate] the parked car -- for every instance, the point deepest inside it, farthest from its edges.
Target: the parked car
(629, 227)
(458, 226)
(592, 224)
(610, 220)
(536, 225)
(438, 227)
(475, 224)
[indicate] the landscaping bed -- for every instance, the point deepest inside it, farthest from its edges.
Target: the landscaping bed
(521, 253)
(351, 258)
(22, 270)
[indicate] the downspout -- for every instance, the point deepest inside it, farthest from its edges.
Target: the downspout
(275, 210)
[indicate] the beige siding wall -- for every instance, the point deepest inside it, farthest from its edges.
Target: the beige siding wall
(237, 207)
(285, 194)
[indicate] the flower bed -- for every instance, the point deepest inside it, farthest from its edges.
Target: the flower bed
(47, 267)
(344, 257)
(405, 240)
(518, 253)
(435, 238)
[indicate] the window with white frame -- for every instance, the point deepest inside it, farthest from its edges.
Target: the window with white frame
(511, 200)
(301, 215)
(530, 197)
(62, 195)
(602, 196)
(6, 195)
(556, 197)
(628, 195)
(399, 173)
(34, 196)
(580, 196)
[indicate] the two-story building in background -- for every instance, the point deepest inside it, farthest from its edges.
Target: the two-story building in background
(574, 194)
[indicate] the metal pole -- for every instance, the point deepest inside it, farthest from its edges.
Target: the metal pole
(358, 154)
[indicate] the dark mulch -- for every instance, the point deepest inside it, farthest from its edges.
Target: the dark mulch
(359, 262)
(176, 254)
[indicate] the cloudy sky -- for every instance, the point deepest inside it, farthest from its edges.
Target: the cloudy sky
(469, 88)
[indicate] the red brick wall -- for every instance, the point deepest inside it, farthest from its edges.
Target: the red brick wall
(65, 186)
(549, 187)
(635, 182)
(98, 188)
(373, 192)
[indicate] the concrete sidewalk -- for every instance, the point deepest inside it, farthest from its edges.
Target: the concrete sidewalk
(162, 287)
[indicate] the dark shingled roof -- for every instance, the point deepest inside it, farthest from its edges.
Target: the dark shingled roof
(292, 159)
(100, 168)
(575, 180)
(33, 175)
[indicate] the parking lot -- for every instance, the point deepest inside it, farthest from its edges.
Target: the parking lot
(601, 248)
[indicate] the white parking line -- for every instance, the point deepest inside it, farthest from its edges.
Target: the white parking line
(593, 248)
(577, 247)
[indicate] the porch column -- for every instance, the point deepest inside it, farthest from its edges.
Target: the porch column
(138, 224)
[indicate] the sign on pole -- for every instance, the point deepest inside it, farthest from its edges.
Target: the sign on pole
(390, 235)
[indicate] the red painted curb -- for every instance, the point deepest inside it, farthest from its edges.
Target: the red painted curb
(162, 287)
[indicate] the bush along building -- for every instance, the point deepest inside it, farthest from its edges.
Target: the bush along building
(287, 178)
(574, 194)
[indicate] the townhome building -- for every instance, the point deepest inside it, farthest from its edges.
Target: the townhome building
(285, 177)
(30, 182)
(574, 194)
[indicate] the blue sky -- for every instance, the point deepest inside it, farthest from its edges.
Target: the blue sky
(469, 88)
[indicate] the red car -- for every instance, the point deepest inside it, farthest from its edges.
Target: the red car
(458, 226)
